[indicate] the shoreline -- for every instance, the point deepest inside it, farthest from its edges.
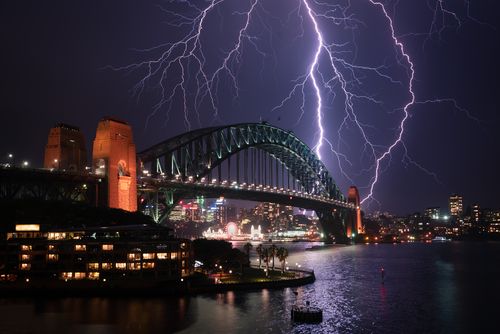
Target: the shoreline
(141, 288)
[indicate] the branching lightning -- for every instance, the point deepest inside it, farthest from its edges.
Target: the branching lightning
(181, 72)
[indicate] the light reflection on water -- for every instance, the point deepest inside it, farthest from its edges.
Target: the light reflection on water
(428, 288)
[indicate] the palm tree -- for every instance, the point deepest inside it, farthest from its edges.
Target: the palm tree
(282, 254)
(248, 246)
(272, 252)
(265, 256)
(259, 251)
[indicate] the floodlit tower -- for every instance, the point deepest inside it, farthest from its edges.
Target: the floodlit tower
(65, 149)
(114, 157)
(356, 226)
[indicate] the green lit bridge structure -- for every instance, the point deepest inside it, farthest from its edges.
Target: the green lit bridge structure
(250, 161)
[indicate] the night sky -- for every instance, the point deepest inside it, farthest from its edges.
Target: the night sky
(56, 59)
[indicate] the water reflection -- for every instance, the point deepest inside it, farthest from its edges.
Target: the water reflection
(428, 288)
(91, 315)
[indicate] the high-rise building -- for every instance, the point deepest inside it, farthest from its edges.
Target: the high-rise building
(221, 212)
(114, 158)
(65, 149)
(456, 205)
(476, 213)
(432, 213)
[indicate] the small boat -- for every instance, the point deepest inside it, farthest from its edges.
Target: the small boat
(307, 314)
(440, 239)
(319, 247)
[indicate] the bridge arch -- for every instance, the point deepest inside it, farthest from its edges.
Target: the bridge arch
(195, 154)
(176, 165)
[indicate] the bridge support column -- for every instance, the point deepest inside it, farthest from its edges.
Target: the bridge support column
(354, 223)
(114, 158)
(333, 224)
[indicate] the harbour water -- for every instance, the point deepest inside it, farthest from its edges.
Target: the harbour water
(448, 287)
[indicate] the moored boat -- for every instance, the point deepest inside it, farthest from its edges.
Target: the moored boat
(307, 314)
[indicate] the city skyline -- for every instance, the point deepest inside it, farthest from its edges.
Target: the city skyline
(59, 62)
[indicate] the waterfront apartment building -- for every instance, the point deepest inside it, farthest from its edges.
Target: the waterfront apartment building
(37, 253)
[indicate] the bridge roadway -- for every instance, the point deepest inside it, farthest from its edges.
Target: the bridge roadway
(233, 190)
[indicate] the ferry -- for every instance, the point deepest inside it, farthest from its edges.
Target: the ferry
(440, 239)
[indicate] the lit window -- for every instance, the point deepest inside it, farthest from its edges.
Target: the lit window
(56, 236)
(106, 266)
(134, 256)
(80, 248)
(93, 275)
(25, 266)
(148, 265)
(93, 266)
(52, 257)
(183, 263)
(25, 247)
(183, 245)
(25, 257)
(8, 277)
(120, 265)
(173, 256)
(51, 247)
(66, 275)
(107, 247)
(148, 256)
(162, 256)
(134, 266)
(80, 275)
(27, 227)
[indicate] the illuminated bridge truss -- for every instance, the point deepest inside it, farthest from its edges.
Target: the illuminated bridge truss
(254, 161)
(46, 185)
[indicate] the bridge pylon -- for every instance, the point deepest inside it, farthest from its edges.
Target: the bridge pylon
(114, 158)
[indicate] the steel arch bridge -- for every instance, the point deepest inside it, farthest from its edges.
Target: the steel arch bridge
(253, 161)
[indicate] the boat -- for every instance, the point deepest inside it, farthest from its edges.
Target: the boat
(440, 239)
(307, 314)
(320, 247)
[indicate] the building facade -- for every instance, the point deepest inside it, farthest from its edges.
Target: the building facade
(44, 254)
(456, 205)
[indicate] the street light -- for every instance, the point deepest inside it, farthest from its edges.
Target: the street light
(25, 163)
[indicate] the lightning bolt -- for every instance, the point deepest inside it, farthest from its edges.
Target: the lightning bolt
(186, 56)
(182, 66)
(406, 107)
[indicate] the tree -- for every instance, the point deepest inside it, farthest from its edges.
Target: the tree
(265, 256)
(239, 257)
(259, 251)
(272, 252)
(248, 246)
(282, 254)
